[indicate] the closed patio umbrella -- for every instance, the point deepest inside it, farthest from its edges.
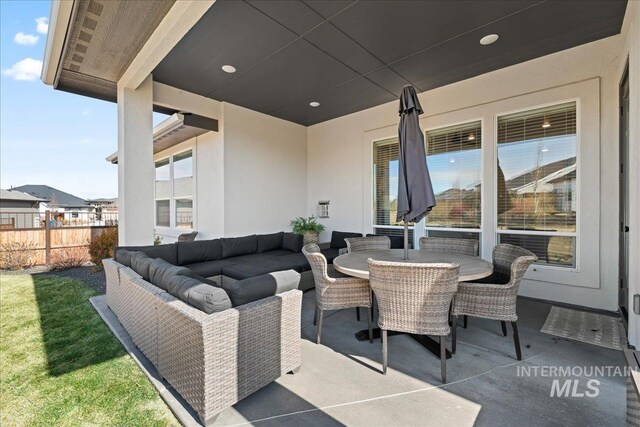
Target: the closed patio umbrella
(415, 193)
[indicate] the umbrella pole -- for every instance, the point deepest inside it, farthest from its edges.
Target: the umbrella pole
(406, 240)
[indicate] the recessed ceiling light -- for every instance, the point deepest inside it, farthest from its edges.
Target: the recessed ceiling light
(491, 38)
(546, 124)
(314, 104)
(544, 150)
(229, 69)
(471, 137)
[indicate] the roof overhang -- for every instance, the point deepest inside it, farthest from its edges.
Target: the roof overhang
(176, 129)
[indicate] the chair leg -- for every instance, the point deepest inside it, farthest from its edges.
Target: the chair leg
(315, 316)
(443, 358)
(319, 328)
(504, 328)
(516, 340)
(454, 324)
(464, 321)
(384, 351)
(369, 315)
(358, 314)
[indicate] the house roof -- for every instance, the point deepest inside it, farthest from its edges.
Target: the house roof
(19, 195)
(57, 197)
(538, 173)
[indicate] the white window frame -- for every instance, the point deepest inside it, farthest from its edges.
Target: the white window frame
(576, 234)
(169, 154)
(478, 231)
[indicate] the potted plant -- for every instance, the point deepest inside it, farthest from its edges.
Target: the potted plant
(308, 227)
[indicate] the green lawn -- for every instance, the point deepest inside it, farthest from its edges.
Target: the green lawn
(60, 365)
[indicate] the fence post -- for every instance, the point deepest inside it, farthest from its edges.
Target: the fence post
(47, 237)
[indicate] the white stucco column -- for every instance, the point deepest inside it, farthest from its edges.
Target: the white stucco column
(135, 164)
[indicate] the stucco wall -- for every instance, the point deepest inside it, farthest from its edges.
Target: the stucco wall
(265, 172)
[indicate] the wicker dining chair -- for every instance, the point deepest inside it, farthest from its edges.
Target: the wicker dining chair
(495, 297)
(355, 244)
(414, 298)
(369, 243)
(336, 293)
(447, 244)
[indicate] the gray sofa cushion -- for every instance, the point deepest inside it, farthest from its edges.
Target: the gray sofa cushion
(123, 256)
(330, 254)
(202, 296)
(296, 261)
(140, 263)
(337, 238)
(254, 268)
(255, 288)
(277, 253)
(161, 273)
(235, 246)
(292, 242)
(270, 242)
(167, 252)
(199, 251)
(209, 268)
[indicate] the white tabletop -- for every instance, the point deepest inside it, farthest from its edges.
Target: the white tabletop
(356, 263)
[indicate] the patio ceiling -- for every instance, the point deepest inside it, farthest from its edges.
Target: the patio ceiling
(349, 56)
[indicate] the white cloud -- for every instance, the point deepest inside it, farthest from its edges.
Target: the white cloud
(25, 39)
(27, 69)
(42, 25)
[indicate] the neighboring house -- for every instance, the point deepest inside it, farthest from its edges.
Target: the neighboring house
(19, 210)
(64, 206)
(106, 210)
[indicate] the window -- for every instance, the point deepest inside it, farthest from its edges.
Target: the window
(454, 160)
(184, 213)
(174, 191)
(162, 213)
(385, 183)
(536, 182)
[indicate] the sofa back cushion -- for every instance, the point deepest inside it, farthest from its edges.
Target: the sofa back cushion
(167, 252)
(202, 296)
(161, 273)
(292, 242)
(255, 288)
(141, 263)
(236, 246)
(337, 238)
(123, 256)
(269, 242)
(199, 251)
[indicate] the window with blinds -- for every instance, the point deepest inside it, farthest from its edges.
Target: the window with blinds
(454, 161)
(536, 182)
(385, 183)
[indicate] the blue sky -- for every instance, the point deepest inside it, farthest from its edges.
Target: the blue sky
(48, 136)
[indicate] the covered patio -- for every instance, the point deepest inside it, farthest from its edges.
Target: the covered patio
(279, 110)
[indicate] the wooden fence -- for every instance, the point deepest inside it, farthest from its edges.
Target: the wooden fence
(47, 242)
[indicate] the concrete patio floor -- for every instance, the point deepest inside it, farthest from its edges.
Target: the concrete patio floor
(340, 382)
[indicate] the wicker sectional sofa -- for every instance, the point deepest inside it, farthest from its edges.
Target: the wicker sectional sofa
(212, 360)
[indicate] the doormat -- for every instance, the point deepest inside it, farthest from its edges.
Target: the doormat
(591, 328)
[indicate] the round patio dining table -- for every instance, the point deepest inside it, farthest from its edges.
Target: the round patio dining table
(356, 263)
